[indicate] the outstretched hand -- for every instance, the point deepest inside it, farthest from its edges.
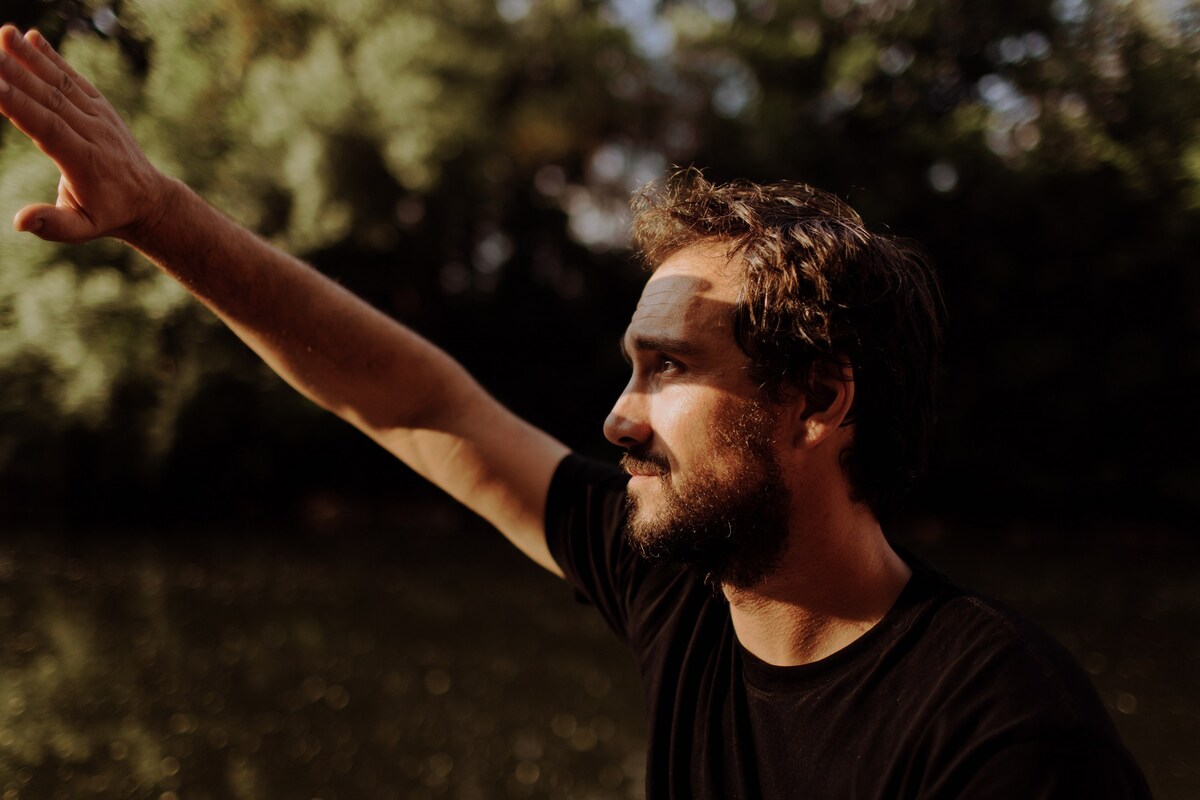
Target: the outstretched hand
(108, 186)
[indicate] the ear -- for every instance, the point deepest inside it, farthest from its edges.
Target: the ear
(820, 409)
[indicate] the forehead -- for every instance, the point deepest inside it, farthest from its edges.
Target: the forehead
(692, 294)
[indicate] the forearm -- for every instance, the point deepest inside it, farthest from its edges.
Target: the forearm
(330, 345)
(348, 357)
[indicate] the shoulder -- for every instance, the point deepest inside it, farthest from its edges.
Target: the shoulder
(984, 650)
(585, 513)
(1005, 706)
(583, 485)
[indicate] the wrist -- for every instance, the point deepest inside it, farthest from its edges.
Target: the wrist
(163, 201)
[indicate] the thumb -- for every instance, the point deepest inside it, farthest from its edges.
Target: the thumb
(53, 224)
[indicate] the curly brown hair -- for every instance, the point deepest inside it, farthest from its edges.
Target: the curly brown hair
(819, 291)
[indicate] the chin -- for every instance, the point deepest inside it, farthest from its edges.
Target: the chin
(643, 520)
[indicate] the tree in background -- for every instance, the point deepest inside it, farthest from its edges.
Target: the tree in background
(466, 167)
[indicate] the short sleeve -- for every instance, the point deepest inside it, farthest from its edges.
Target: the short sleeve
(585, 515)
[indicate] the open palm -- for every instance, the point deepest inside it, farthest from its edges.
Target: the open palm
(108, 186)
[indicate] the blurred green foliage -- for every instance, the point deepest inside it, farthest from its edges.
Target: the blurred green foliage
(465, 166)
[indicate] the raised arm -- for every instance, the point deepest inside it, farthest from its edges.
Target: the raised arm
(396, 387)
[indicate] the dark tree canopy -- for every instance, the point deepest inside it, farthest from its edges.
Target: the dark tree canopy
(466, 167)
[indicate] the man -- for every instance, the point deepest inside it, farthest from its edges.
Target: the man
(782, 358)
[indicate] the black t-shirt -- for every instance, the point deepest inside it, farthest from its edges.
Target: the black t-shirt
(949, 696)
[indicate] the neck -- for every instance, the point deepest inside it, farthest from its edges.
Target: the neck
(837, 578)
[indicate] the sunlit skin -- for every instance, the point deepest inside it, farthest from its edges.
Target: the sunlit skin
(686, 370)
(712, 496)
(837, 575)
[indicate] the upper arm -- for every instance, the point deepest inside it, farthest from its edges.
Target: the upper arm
(489, 459)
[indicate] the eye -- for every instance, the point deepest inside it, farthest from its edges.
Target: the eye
(667, 364)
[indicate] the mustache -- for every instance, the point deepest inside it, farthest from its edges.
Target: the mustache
(643, 462)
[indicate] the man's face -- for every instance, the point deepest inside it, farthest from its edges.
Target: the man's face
(706, 487)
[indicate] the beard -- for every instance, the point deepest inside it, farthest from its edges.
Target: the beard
(728, 519)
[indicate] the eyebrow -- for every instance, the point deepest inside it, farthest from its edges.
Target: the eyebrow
(659, 344)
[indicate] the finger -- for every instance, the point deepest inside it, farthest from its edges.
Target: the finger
(48, 130)
(61, 88)
(54, 224)
(41, 45)
(33, 86)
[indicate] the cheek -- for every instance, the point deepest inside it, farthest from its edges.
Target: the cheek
(688, 425)
(678, 416)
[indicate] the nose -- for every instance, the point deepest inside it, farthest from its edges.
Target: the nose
(628, 424)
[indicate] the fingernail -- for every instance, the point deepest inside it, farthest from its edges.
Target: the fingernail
(38, 224)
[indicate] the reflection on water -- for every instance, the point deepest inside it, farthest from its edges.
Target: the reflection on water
(429, 660)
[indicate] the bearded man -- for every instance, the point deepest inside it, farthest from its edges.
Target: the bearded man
(781, 398)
